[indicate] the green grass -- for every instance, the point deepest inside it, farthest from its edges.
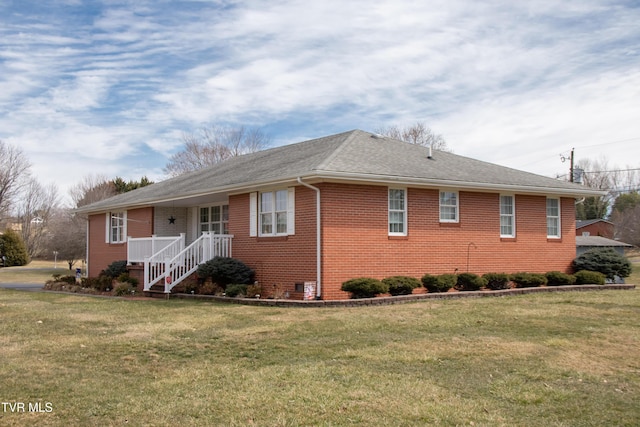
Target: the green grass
(36, 271)
(563, 359)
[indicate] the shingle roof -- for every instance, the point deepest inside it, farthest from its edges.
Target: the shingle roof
(598, 241)
(587, 222)
(355, 155)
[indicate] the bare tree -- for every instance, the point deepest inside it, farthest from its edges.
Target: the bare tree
(93, 188)
(419, 134)
(34, 210)
(68, 236)
(213, 144)
(14, 171)
(596, 176)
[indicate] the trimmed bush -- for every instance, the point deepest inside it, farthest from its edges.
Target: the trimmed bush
(557, 278)
(364, 287)
(586, 277)
(13, 248)
(469, 282)
(497, 281)
(606, 260)
(115, 269)
(224, 271)
(528, 280)
(236, 289)
(401, 285)
(441, 283)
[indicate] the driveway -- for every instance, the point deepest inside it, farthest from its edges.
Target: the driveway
(22, 286)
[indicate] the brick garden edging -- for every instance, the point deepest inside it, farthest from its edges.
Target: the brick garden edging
(401, 299)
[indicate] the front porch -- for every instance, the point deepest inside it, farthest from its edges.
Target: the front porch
(167, 260)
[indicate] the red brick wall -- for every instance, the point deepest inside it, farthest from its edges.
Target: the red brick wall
(280, 262)
(356, 243)
(600, 228)
(101, 254)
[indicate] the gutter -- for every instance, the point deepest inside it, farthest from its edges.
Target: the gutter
(318, 241)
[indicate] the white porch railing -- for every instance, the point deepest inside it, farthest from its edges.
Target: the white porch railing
(141, 248)
(175, 269)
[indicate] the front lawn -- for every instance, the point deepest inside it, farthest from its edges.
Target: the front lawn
(563, 359)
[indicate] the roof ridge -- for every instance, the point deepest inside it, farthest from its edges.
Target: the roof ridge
(338, 150)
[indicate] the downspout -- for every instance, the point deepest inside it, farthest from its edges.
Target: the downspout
(86, 256)
(318, 241)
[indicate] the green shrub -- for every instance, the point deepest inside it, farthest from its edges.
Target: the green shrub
(236, 289)
(586, 277)
(100, 283)
(115, 269)
(528, 280)
(12, 247)
(441, 283)
(605, 260)
(401, 285)
(71, 280)
(496, 281)
(557, 278)
(469, 282)
(126, 278)
(224, 271)
(364, 287)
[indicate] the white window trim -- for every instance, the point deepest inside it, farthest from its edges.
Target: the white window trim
(255, 213)
(221, 222)
(404, 212)
(512, 216)
(108, 228)
(457, 218)
(559, 218)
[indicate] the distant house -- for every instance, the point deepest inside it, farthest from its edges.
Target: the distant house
(595, 227)
(586, 243)
(317, 213)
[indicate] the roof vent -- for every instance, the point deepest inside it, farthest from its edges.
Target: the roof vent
(430, 156)
(376, 136)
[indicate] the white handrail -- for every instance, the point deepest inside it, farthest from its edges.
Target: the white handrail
(175, 269)
(139, 248)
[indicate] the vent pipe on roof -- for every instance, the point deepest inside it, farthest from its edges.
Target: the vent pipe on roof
(430, 156)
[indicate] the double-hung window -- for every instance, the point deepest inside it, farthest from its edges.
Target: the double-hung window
(274, 214)
(507, 216)
(553, 218)
(116, 230)
(215, 219)
(449, 206)
(397, 212)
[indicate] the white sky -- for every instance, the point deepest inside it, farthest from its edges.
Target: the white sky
(108, 87)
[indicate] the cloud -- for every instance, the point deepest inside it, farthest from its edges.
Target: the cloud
(115, 83)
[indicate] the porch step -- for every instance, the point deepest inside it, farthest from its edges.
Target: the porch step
(157, 291)
(156, 294)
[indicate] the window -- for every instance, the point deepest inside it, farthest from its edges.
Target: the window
(116, 227)
(215, 219)
(397, 212)
(274, 213)
(448, 206)
(553, 218)
(507, 216)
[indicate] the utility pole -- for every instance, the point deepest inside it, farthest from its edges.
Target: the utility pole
(571, 167)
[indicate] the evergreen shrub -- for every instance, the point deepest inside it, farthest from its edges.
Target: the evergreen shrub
(401, 285)
(364, 287)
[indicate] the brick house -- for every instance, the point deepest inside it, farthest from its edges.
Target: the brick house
(595, 227)
(348, 205)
